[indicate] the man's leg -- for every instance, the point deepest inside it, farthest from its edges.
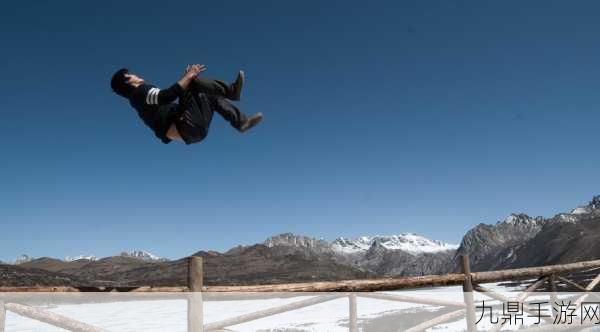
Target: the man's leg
(195, 116)
(219, 88)
(233, 115)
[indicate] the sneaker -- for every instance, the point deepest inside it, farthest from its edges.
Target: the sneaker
(251, 122)
(236, 87)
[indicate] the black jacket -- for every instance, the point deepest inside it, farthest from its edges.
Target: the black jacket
(156, 107)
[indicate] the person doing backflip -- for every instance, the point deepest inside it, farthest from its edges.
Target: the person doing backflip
(198, 98)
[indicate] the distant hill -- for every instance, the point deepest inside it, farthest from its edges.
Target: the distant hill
(13, 276)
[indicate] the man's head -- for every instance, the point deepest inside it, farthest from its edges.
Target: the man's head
(123, 83)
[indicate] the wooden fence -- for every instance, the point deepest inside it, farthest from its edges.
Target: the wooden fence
(471, 282)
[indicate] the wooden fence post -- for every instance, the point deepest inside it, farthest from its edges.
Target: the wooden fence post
(2, 316)
(468, 293)
(195, 274)
(353, 324)
(195, 304)
(553, 299)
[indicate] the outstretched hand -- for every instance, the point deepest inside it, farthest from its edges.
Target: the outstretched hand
(191, 71)
(194, 70)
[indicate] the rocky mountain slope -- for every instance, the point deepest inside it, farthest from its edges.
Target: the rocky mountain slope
(396, 255)
(521, 240)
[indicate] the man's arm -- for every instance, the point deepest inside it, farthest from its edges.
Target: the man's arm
(190, 73)
(157, 96)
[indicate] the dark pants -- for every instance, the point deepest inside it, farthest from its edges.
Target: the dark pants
(212, 87)
(197, 108)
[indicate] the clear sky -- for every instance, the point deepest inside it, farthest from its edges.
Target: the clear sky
(381, 117)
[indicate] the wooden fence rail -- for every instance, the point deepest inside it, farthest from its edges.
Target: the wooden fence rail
(372, 285)
(51, 318)
(270, 312)
(359, 288)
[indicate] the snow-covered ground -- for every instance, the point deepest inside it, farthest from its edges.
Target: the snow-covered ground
(171, 314)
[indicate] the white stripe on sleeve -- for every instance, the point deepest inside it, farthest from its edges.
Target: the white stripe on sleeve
(156, 96)
(152, 96)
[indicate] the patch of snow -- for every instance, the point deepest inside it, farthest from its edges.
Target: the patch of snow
(143, 255)
(80, 257)
(407, 242)
(581, 210)
(288, 239)
(521, 219)
(565, 217)
(344, 245)
(23, 259)
(511, 219)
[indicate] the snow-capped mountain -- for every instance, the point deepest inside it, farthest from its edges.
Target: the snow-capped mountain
(387, 255)
(143, 255)
(289, 239)
(407, 242)
(521, 219)
(512, 242)
(23, 259)
(592, 207)
(80, 257)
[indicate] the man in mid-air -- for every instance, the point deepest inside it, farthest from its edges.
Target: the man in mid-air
(199, 98)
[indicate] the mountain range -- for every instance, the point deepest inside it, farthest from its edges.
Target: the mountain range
(139, 254)
(517, 241)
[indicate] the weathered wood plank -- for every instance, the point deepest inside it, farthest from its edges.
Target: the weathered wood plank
(438, 320)
(411, 299)
(572, 283)
(553, 296)
(2, 316)
(51, 318)
(524, 273)
(195, 274)
(353, 314)
(270, 312)
(195, 312)
(532, 287)
(411, 282)
(195, 307)
(468, 293)
(365, 285)
(590, 287)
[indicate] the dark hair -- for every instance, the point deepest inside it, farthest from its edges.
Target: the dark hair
(120, 85)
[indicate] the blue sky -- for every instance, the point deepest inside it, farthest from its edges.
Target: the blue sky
(380, 118)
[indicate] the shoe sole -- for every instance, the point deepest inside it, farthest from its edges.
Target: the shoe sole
(239, 83)
(258, 117)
